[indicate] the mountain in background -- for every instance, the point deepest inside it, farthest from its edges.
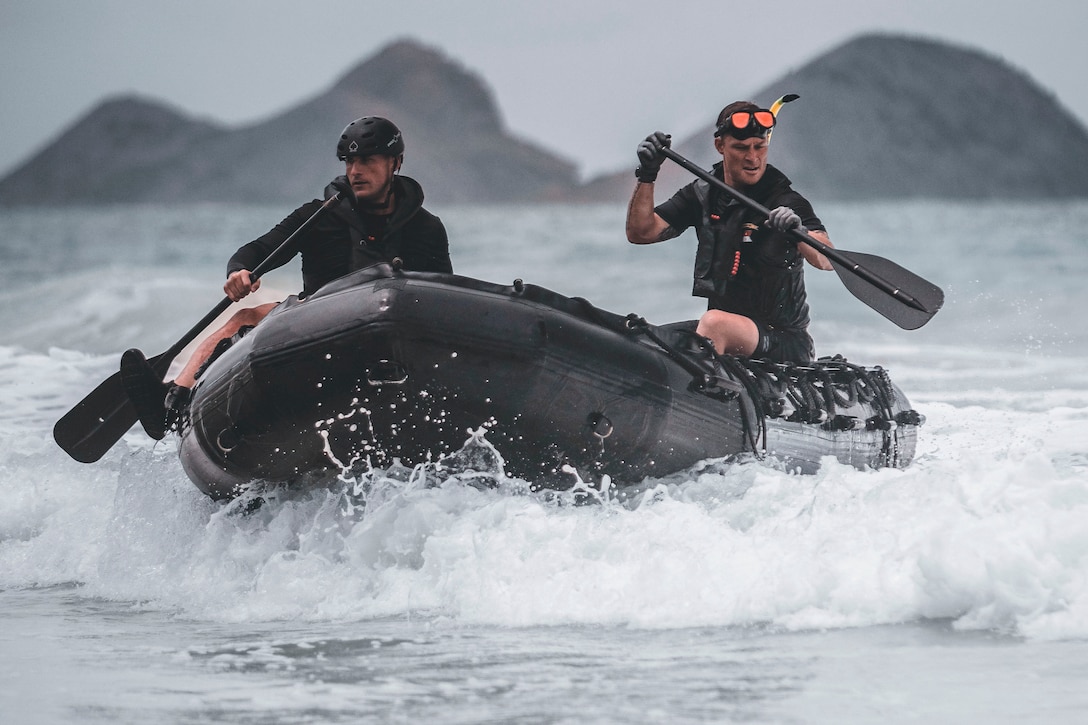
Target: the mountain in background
(137, 150)
(892, 117)
(880, 117)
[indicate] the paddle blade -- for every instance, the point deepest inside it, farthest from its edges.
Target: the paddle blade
(98, 421)
(910, 303)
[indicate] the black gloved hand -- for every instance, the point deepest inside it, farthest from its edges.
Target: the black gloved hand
(650, 157)
(783, 219)
(342, 186)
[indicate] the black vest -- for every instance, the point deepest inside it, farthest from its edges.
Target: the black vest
(741, 266)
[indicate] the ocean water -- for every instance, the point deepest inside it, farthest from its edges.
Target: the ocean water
(953, 591)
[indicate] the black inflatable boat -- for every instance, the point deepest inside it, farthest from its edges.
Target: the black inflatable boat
(384, 365)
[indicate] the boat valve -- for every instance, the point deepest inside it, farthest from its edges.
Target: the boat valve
(600, 425)
(227, 439)
(386, 372)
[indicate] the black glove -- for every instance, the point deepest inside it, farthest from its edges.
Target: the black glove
(783, 219)
(341, 185)
(650, 157)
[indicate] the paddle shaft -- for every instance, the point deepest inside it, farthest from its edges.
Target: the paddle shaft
(254, 275)
(98, 421)
(802, 236)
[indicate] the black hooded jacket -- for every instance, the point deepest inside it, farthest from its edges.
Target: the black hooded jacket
(339, 242)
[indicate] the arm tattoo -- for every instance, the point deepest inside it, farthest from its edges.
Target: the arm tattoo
(668, 232)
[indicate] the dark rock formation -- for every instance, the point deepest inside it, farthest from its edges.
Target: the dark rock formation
(135, 150)
(882, 116)
(885, 116)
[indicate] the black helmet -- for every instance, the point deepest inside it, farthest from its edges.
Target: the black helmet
(370, 136)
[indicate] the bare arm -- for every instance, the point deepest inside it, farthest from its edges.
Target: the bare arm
(814, 258)
(644, 226)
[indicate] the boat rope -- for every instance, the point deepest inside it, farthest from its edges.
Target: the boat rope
(817, 390)
(640, 326)
(705, 378)
(820, 392)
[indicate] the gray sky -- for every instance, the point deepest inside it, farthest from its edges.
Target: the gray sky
(585, 78)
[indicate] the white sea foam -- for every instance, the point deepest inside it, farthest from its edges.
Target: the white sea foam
(984, 529)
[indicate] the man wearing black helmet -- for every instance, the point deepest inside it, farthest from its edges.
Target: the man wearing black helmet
(750, 270)
(382, 221)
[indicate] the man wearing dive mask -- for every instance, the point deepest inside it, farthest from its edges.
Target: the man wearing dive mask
(749, 268)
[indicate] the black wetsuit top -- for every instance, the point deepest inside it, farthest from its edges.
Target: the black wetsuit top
(344, 240)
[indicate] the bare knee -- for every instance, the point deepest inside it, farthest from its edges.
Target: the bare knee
(713, 319)
(246, 317)
(731, 333)
(250, 315)
(715, 324)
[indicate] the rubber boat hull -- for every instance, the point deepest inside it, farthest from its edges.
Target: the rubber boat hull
(384, 365)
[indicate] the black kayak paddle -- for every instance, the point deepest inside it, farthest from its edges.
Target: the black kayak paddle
(98, 421)
(898, 294)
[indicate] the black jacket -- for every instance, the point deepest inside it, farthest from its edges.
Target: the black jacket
(339, 241)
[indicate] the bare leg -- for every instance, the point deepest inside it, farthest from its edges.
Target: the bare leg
(248, 316)
(731, 334)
